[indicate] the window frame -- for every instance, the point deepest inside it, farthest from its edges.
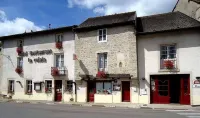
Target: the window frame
(27, 86)
(105, 61)
(103, 83)
(69, 86)
(9, 86)
(98, 36)
(20, 43)
(60, 60)
(59, 40)
(48, 89)
(19, 63)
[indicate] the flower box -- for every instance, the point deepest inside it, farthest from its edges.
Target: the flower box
(59, 45)
(168, 64)
(19, 50)
(101, 74)
(55, 72)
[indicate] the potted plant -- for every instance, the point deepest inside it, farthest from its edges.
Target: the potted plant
(55, 72)
(101, 74)
(58, 45)
(19, 50)
(18, 70)
(169, 64)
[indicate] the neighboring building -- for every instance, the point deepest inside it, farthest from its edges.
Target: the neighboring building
(106, 59)
(168, 59)
(189, 7)
(39, 65)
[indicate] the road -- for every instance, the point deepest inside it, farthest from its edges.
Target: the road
(16, 110)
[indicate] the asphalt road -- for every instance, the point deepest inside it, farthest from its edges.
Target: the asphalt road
(16, 110)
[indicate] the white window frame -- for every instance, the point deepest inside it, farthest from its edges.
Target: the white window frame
(105, 64)
(20, 62)
(69, 84)
(60, 60)
(27, 86)
(98, 34)
(11, 89)
(47, 86)
(60, 39)
(168, 54)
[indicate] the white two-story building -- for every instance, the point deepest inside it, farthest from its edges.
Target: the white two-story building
(39, 65)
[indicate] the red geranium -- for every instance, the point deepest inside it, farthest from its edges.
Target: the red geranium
(101, 74)
(59, 45)
(169, 64)
(55, 72)
(19, 50)
(18, 70)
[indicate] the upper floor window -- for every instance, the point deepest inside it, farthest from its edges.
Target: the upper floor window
(29, 86)
(168, 57)
(59, 37)
(59, 60)
(19, 62)
(20, 43)
(102, 35)
(11, 86)
(102, 61)
(168, 51)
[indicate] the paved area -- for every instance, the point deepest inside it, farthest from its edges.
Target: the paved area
(187, 113)
(25, 110)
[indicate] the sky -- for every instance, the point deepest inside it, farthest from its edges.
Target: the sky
(19, 16)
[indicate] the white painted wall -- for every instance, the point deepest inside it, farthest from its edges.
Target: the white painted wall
(188, 52)
(36, 71)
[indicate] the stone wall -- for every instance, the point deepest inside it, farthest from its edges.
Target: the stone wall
(120, 47)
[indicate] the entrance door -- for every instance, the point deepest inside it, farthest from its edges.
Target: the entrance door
(125, 91)
(160, 90)
(185, 90)
(91, 91)
(58, 90)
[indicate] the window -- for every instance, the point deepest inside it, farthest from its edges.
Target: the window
(10, 86)
(59, 37)
(20, 43)
(103, 87)
(168, 51)
(19, 62)
(60, 60)
(102, 35)
(168, 56)
(102, 60)
(48, 86)
(29, 86)
(69, 86)
(37, 86)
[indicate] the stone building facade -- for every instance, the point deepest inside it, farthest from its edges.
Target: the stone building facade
(120, 49)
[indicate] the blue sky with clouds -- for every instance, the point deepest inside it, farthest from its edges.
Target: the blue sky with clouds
(17, 16)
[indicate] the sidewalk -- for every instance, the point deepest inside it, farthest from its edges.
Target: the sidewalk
(113, 105)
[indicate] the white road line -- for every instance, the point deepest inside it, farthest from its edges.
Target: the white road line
(186, 114)
(193, 116)
(179, 110)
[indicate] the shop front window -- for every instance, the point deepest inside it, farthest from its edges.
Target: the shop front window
(103, 87)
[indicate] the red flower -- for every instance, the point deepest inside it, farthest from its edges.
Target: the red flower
(55, 72)
(101, 74)
(59, 45)
(169, 64)
(19, 50)
(18, 70)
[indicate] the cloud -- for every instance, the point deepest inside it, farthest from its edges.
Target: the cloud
(143, 7)
(15, 26)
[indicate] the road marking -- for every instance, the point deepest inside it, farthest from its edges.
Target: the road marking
(186, 114)
(179, 110)
(193, 116)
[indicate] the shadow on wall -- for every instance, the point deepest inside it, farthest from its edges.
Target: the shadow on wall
(83, 68)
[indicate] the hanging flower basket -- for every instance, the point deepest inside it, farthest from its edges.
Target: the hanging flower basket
(59, 45)
(55, 72)
(18, 70)
(19, 50)
(101, 74)
(169, 64)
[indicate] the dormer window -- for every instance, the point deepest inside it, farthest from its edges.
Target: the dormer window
(102, 35)
(59, 40)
